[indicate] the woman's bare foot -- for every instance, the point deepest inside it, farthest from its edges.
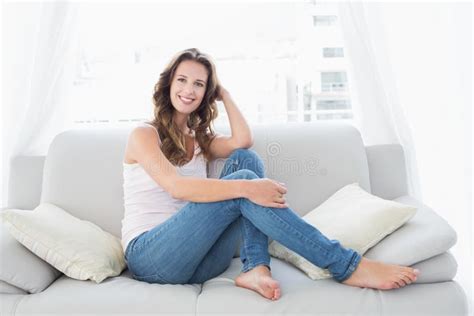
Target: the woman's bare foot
(259, 279)
(378, 275)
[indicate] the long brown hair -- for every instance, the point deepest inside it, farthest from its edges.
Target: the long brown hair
(199, 121)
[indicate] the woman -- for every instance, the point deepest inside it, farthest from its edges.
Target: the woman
(183, 228)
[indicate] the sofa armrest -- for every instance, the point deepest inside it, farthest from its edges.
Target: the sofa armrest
(20, 267)
(387, 170)
(25, 182)
(424, 236)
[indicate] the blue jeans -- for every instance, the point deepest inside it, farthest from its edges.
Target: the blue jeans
(199, 241)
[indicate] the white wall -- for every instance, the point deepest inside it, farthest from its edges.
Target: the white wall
(433, 67)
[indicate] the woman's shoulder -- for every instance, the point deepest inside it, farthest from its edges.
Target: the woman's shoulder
(142, 136)
(145, 130)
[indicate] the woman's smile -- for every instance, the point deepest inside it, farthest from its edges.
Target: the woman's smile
(186, 100)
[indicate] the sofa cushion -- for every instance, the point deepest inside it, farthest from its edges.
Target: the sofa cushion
(354, 217)
(439, 268)
(83, 175)
(426, 235)
(300, 294)
(119, 295)
(24, 182)
(387, 183)
(79, 249)
(21, 268)
(9, 303)
(7, 288)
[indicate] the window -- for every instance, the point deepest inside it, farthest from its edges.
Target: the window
(329, 52)
(334, 109)
(333, 105)
(273, 68)
(335, 116)
(324, 20)
(333, 81)
(307, 95)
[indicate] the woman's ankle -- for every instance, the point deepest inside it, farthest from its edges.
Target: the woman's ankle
(260, 268)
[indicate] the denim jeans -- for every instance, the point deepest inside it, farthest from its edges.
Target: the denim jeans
(198, 242)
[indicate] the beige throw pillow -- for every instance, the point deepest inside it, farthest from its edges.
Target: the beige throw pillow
(21, 268)
(78, 248)
(357, 219)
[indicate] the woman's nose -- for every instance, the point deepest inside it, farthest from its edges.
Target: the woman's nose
(188, 89)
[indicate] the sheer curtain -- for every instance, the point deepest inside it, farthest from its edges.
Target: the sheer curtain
(411, 72)
(39, 50)
(380, 116)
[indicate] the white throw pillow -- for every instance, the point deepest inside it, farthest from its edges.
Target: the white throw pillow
(78, 248)
(357, 219)
(20, 267)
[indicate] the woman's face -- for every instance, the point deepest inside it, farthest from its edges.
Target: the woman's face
(188, 86)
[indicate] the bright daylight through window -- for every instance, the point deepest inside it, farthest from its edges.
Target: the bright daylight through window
(284, 62)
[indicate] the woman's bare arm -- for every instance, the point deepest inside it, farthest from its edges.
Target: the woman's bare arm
(143, 147)
(222, 146)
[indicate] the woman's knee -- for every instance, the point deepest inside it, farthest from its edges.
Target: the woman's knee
(244, 174)
(245, 154)
(248, 159)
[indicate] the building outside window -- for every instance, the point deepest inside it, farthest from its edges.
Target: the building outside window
(333, 81)
(329, 52)
(324, 20)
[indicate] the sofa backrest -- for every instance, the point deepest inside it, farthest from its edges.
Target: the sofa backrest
(83, 168)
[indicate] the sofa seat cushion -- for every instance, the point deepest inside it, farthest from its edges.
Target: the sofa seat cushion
(120, 294)
(9, 303)
(300, 294)
(7, 288)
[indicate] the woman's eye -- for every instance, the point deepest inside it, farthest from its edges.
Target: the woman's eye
(199, 84)
(181, 80)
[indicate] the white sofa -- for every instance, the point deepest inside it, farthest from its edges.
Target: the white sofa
(82, 173)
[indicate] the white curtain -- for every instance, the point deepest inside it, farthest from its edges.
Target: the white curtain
(411, 72)
(379, 115)
(39, 63)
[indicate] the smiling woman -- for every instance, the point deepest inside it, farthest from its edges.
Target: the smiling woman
(168, 197)
(185, 104)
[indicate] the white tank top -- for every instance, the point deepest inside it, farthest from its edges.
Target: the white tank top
(146, 203)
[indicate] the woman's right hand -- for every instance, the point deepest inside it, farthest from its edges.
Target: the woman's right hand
(267, 192)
